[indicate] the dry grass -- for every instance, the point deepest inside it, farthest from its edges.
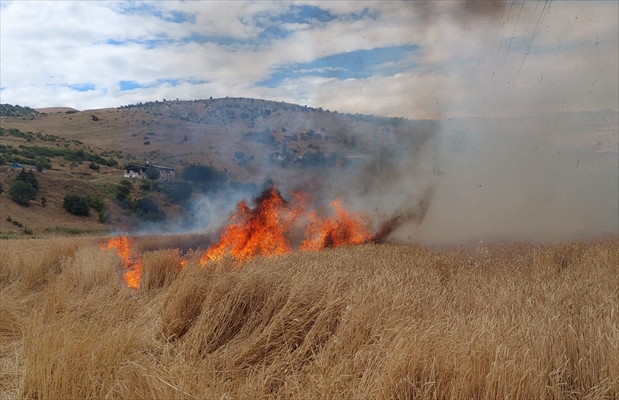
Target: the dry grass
(374, 321)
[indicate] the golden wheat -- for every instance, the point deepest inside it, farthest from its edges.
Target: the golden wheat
(372, 321)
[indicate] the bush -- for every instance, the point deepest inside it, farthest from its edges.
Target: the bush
(177, 192)
(204, 174)
(152, 173)
(145, 186)
(22, 192)
(1, 188)
(76, 205)
(123, 189)
(93, 166)
(95, 202)
(102, 216)
(29, 178)
(147, 208)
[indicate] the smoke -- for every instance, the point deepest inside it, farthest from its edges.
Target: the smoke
(450, 181)
(520, 179)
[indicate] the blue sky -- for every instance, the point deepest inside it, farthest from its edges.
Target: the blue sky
(407, 59)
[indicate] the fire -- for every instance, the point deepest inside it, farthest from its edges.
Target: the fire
(269, 227)
(273, 227)
(263, 230)
(340, 230)
(131, 262)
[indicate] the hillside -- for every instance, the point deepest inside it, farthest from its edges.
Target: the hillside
(248, 140)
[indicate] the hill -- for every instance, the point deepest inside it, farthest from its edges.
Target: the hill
(247, 140)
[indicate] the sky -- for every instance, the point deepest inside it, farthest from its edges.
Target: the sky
(415, 59)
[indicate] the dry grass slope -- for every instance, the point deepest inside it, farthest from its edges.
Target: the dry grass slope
(373, 321)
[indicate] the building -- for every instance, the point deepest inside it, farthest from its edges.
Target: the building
(135, 171)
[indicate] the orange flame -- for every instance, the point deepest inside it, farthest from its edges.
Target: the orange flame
(131, 262)
(340, 230)
(268, 228)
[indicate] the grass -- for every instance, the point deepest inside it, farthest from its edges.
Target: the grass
(373, 321)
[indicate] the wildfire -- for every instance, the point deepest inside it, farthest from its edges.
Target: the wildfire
(340, 230)
(131, 262)
(268, 228)
(273, 227)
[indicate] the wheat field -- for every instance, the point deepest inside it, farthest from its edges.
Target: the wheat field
(517, 321)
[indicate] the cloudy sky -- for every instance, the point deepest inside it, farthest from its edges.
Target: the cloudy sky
(412, 59)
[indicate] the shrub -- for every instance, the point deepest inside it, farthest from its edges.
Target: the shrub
(146, 186)
(1, 188)
(204, 174)
(147, 208)
(95, 202)
(76, 205)
(152, 173)
(22, 192)
(29, 178)
(93, 166)
(102, 216)
(123, 189)
(178, 192)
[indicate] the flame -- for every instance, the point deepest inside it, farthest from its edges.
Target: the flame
(263, 230)
(340, 230)
(131, 262)
(268, 228)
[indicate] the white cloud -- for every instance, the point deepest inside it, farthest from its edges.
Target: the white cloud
(461, 63)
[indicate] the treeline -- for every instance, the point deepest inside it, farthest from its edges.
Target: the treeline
(9, 110)
(31, 137)
(40, 156)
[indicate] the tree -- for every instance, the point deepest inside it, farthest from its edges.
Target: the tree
(29, 178)
(22, 192)
(204, 174)
(76, 205)
(178, 192)
(145, 186)
(152, 173)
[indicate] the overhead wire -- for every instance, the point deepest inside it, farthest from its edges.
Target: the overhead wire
(533, 36)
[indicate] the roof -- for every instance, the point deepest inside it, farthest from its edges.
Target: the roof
(149, 165)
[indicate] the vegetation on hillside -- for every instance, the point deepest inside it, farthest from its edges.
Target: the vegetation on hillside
(41, 155)
(8, 110)
(76, 205)
(374, 321)
(24, 188)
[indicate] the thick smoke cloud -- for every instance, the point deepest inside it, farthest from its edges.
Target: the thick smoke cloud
(448, 181)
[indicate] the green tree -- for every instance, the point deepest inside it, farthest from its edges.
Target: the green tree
(95, 202)
(146, 186)
(76, 205)
(29, 178)
(123, 189)
(22, 192)
(152, 173)
(204, 174)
